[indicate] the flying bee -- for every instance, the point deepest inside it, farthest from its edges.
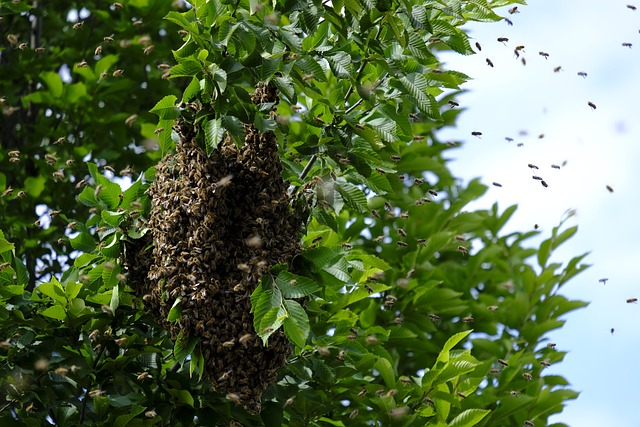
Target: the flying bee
(418, 138)
(53, 213)
(545, 363)
(37, 223)
(59, 175)
(14, 153)
(23, 46)
(380, 171)
(163, 67)
(544, 184)
(21, 195)
(513, 393)
(461, 394)
(418, 181)
(592, 105)
(70, 162)
(110, 169)
(379, 239)
(434, 193)
(40, 49)
(98, 190)
(131, 119)
(402, 244)
(404, 215)
(508, 139)
(50, 159)
(137, 23)
(632, 7)
(78, 25)
(108, 39)
(503, 362)
(509, 22)
(72, 225)
(308, 77)
(422, 241)
(527, 376)
(460, 238)
(478, 46)
(347, 245)
(514, 10)
(82, 64)
(503, 40)
(401, 177)
(402, 232)
(545, 55)
(538, 178)
(117, 73)
(497, 184)
(492, 308)
(81, 183)
(582, 74)
(468, 319)
(532, 166)
(612, 331)
(529, 423)
(541, 136)
(14, 159)
(454, 103)
(4, 265)
(603, 281)
(524, 60)
(519, 48)
(434, 317)
(388, 206)
(98, 51)
(627, 44)
(557, 69)
(555, 166)
(520, 144)
(7, 192)
(632, 300)
(489, 63)
(609, 189)
(476, 133)
(375, 213)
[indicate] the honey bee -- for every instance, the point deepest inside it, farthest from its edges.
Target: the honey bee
(418, 138)
(545, 55)
(592, 105)
(404, 215)
(476, 133)
(70, 162)
(81, 183)
(23, 46)
(538, 178)
(402, 232)
(4, 265)
(529, 423)
(183, 33)
(369, 289)
(131, 119)
(627, 44)
(514, 10)
(82, 64)
(21, 195)
(497, 184)
(541, 136)
(603, 281)
(434, 317)
(551, 345)
(98, 51)
(108, 39)
(379, 239)
(50, 159)
(137, 23)
(233, 397)
(555, 166)
(151, 413)
(527, 376)
(492, 308)
(163, 67)
(632, 300)
(375, 213)
(7, 192)
(513, 393)
(557, 69)
(78, 25)
(401, 177)
(380, 171)
(418, 181)
(398, 320)
(545, 363)
(478, 46)
(503, 39)
(422, 241)
(463, 249)
(58, 175)
(14, 153)
(60, 140)
(508, 21)
(508, 139)
(388, 206)
(503, 362)
(14, 159)
(494, 371)
(468, 319)
(582, 74)
(117, 73)
(609, 189)
(53, 213)
(462, 395)
(519, 48)
(229, 344)
(489, 63)
(96, 392)
(454, 103)
(402, 244)
(347, 245)
(40, 49)
(544, 184)
(98, 190)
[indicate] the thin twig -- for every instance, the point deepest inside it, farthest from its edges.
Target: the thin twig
(308, 167)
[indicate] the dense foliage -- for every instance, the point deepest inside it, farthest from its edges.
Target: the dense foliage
(399, 306)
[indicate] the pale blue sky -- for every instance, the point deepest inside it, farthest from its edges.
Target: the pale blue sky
(601, 147)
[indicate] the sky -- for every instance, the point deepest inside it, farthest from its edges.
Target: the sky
(600, 148)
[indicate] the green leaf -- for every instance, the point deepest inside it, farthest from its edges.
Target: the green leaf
(294, 286)
(165, 108)
(186, 68)
(53, 82)
(213, 134)
(296, 325)
(184, 346)
(469, 418)
(176, 310)
(452, 342)
(386, 372)
(353, 197)
(55, 312)
(54, 290)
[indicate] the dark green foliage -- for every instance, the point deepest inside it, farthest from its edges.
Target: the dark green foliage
(403, 307)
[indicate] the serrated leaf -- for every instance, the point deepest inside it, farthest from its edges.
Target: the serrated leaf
(340, 64)
(386, 372)
(54, 290)
(353, 197)
(165, 108)
(191, 90)
(213, 134)
(451, 342)
(176, 310)
(417, 86)
(294, 286)
(309, 66)
(469, 418)
(188, 68)
(184, 346)
(296, 325)
(83, 242)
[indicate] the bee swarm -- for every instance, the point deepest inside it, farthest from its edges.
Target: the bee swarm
(217, 223)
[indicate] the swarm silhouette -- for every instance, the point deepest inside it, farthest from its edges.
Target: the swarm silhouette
(217, 223)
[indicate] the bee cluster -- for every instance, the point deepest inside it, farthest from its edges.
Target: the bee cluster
(217, 224)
